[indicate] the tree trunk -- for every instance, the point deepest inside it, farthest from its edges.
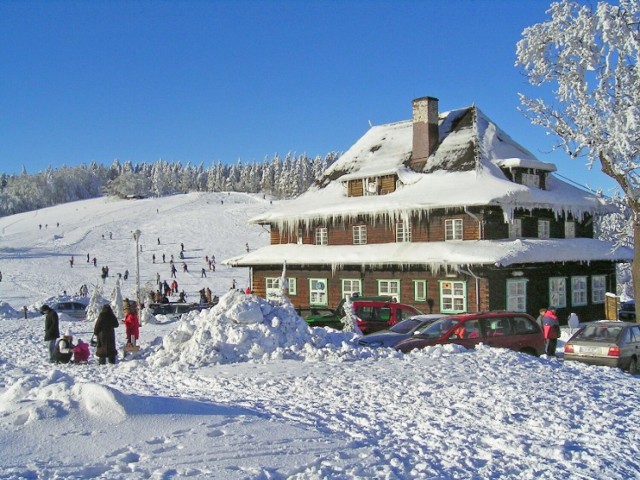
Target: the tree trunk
(635, 266)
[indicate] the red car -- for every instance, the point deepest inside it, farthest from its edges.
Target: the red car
(376, 315)
(513, 330)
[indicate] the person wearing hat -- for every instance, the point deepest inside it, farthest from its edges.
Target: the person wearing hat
(51, 328)
(63, 350)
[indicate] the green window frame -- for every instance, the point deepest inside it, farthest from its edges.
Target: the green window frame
(420, 290)
(453, 296)
(517, 294)
(598, 288)
(558, 292)
(579, 290)
(318, 291)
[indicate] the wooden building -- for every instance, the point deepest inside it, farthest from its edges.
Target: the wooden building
(444, 212)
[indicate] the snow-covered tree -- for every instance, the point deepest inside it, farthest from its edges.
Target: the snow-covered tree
(116, 300)
(589, 56)
(95, 303)
(350, 320)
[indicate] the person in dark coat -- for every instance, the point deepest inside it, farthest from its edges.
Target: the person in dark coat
(51, 329)
(104, 331)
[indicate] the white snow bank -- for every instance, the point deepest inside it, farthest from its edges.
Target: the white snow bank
(248, 328)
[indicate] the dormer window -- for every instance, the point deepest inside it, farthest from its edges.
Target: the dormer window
(531, 180)
(371, 186)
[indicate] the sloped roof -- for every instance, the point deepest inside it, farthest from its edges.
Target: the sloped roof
(464, 171)
(447, 256)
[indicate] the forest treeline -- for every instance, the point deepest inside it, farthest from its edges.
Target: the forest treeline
(281, 177)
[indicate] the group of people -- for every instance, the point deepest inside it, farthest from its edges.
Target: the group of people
(63, 350)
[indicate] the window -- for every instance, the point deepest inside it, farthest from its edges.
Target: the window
(544, 227)
(318, 291)
(389, 287)
(558, 292)
(453, 229)
(292, 286)
(598, 288)
(359, 234)
(299, 237)
(517, 295)
(531, 180)
(420, 290)
(515, 228)
(453, 297)
(578, 290)
(569, 229)
(322, 236)
(403, 232)
(272, 287)
(351, 286)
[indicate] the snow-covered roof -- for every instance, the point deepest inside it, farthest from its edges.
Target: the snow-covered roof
(438, 255)
(464, 171)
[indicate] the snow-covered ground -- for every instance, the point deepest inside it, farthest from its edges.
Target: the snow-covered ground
(246, 391)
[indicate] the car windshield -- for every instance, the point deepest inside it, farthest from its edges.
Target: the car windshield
(599, 333)
(406, 326)
(438, 328)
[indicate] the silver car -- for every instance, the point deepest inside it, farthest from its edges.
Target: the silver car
(609, 343)
(73, 309)
(401, 330)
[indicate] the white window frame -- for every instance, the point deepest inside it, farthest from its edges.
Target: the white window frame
(453, 229)
(318, 296)
(453, 296)
(515, 228)
(579, 295)
(517, 294)
(322, 236)
(403, 232)
(598, 288)
(558, 292)
(544, 229)
(389, 287)
(272, 287)
(531, 180)
(420, 290)
(359, 234)
(299, 237)
(570, 229)
(351, 286)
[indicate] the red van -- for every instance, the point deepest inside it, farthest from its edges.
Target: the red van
(375, 315)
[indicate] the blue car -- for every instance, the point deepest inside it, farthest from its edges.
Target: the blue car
(400, 331)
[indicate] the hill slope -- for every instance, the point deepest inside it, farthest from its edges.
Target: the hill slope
(35, 247)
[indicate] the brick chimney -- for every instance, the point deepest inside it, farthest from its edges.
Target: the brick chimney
(425, 131)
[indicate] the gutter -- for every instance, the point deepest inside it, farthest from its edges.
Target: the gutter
(480, 223)
(477, 278)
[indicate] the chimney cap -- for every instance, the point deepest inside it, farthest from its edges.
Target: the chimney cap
(425, 98)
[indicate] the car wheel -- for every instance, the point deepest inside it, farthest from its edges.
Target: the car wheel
(633, 366)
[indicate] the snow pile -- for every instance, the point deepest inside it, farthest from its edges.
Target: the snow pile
(245, 328)
(7, 311)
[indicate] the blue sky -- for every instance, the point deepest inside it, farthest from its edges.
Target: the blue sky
(203, 82)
